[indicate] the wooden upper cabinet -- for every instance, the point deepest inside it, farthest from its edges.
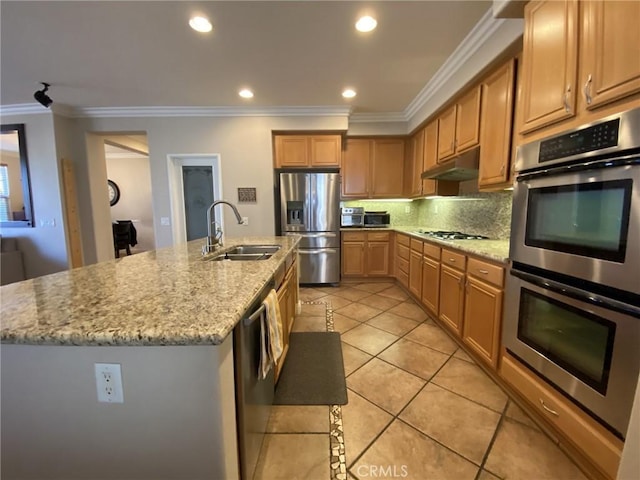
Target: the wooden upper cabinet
(497, 117)
(373, 168)
(610, 51)
(447, 133)
(430, 150)
(325, 150)
(291, 151)
(416, 163)
(307, 151)
(387, 168)
(549, 69)
(355, 168)
(459, 125)
(468, 120)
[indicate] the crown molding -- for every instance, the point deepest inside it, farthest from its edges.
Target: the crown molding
(23, 109)
(471, 43)
(378, 117)
(212, 112)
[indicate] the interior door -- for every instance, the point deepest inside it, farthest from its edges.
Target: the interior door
(198, 195)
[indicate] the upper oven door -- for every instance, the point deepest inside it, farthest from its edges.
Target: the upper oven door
(584, 224)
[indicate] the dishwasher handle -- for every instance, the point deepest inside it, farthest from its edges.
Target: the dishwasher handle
(254, 316)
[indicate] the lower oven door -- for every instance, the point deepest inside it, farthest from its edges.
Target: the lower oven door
(583, 344)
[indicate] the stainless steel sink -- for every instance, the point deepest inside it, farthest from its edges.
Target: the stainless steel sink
(251, 249)
(245, 253)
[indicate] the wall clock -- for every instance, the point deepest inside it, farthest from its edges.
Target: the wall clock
(114, 192)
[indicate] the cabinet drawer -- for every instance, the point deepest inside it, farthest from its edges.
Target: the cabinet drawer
(601, 448)
(453, 259)
(403, 277)
(378, 236)
(431, 250)
(404, 252)
(403, 265)
(353, 236)
(486, 271)
(403, 240)
(416, 245)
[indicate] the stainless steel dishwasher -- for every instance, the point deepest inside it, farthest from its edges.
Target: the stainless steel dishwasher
(254, 397)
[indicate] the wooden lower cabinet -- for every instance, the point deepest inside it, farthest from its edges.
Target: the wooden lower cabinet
(287, 302)
(366, 254)
(452, 298)
(579, 430)
(402, 257)
(431, 284)
(415, 268)
(482, 319)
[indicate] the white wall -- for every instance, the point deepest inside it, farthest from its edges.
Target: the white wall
(133, 177)
(243, 143)
(44, 248)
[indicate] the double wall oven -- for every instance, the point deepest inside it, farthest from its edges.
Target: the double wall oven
(573, 292)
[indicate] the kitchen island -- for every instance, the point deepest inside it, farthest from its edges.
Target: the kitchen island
(165, 316)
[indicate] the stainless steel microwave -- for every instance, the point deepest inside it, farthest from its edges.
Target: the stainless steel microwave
(377, 219)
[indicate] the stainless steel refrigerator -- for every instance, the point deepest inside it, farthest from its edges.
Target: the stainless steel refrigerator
(310, 206)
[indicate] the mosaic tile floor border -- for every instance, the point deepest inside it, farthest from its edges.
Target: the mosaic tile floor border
(337, 457)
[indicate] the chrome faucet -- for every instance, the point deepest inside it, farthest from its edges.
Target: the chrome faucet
(214, 241)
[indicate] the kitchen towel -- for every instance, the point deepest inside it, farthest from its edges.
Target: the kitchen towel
(270, 334)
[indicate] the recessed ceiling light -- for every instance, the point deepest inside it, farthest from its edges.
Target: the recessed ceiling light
(200, 24)
(366, 24)
(349, 93)
(245, 93)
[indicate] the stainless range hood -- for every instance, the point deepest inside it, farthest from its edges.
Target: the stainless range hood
(458, 169)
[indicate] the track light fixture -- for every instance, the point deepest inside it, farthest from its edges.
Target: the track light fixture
(42, 97)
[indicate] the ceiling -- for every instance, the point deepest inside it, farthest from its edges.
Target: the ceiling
(291, 54)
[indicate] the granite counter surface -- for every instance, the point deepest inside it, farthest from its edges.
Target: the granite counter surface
(169, 296)
(497, 250)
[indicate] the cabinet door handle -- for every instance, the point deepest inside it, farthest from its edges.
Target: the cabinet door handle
(502, 169)
(461, 282)
(567, 107)
(452, 260)
(587, 90)
(551, 411)
(484, 272)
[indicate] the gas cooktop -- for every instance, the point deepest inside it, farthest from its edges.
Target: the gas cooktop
(448, 235)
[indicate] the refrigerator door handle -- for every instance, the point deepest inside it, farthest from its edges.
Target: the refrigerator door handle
(314, 252)
(313, 235)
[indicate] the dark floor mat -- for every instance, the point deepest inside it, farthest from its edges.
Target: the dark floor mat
(313, 372)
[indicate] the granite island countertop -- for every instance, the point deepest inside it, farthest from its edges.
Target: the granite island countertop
(169, 296)
(497, 250)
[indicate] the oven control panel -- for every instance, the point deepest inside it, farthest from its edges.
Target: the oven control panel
(597, 137)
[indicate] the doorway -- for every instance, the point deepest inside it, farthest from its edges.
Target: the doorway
(195, 183)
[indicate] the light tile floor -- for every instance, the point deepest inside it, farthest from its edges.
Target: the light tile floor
(419, 407)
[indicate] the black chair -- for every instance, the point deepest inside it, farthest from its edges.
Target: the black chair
(123, 236)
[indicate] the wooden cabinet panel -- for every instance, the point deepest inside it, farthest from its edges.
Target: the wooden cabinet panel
(353, 259)
(453, 259)
(403, 240)
(307, 151)
(387, 172)
(291, 151)
(446, 133)
(497, 120)
(366, 254)
(610, 55)
(482, 320)
(403, 251)
(582, 431)
(468, 120)
(416, 164)
(377, 258)
(430, 150)
(415, 273)
(326, 150)
(431, 284)
(355, 169)
(431, 250)
(549, 69)
(452, 298)
(486, 272)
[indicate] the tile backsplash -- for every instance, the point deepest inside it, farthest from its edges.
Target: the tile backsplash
(478, 213)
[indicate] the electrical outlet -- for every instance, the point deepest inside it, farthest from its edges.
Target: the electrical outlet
(245, 221)
(164, 221)
(407, 209)
(109, 382)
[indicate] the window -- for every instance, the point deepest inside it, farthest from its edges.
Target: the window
(5, 210)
